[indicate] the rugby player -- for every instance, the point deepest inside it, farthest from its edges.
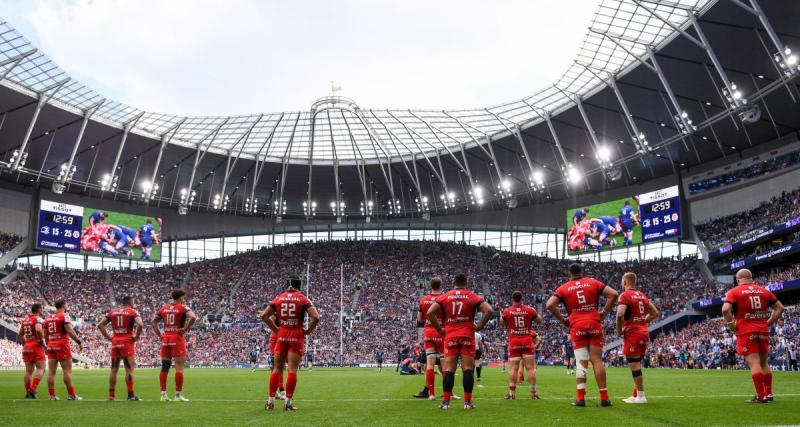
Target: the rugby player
(147, 238)
(634, 313)
(580, 296)
(31, 334)
(127, 327)
(746, 312)
(522, 343)
(627, 220)
(458, 307)
(57, 333)
(178, 320)
(433, 340)
(290, 309)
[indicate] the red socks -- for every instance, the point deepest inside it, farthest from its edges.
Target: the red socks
(430, 378)
(467, 397)
(603, 394)
(273, 383)
(581, 394)
(635, 392)
(71, 390)
(512, 387)
(768, 384)
(35, 384)
(27, 384)
(280, 382)
(758, 382)
(129, 385)
(162, 380)
(178, 381)
(447, 395)
(111, 393)
(291, 383)
(51, 391)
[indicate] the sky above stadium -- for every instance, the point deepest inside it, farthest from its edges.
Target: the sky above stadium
(202, 57)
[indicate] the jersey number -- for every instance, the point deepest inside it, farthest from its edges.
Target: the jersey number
(27, 331)
(288, 310)
(120, 321)
(755, 303)
(641, 307)
(171, 319)
(51, 327)
(457, 307)
(519, 321)
(581, 297)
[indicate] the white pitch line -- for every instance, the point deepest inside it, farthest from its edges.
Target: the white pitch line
(398, 399)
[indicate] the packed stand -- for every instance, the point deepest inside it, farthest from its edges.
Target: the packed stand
(8, 241)
(710, 345)
(376, 284)
(721, 231)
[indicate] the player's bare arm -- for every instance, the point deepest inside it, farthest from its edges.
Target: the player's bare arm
(537, 319)
(434, 311)
(486, 309)
(314, 320)
(552, 307)
(39, 333)
(611, 298)
(102, 328)
(139, 327)
(154, 324)
(652, 313)
(727, 313)
(19, 335)
(777, 311)
(620, 318)
(536, 341)
(268, 317)
(190, 319)
(72, 334)
(420, 319)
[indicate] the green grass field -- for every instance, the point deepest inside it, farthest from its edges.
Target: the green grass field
(608, 209)
(365, 397)
(130, 220)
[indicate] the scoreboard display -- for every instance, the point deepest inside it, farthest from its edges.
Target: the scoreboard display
(628, 221)
(59, 227)
(91, 231)
(660, 214)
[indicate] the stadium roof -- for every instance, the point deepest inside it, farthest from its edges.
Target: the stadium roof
(657, 86)
(337, 129)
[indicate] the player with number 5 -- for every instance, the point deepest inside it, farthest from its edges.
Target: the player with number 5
(746, 312)
(581, 296)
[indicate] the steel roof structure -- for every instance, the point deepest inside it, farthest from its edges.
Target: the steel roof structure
(655, 87)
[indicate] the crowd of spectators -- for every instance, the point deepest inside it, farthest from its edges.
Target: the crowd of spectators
(721, 231)
(710, 345)
(759, 169)
(375, 285)
(8, 241)
(10, 354)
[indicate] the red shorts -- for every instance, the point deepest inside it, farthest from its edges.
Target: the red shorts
(753, 342)
(635, 343)
(287, 341)
(122, 347)
(434, 343)
(273, 339)
(455, 346)
(59, 350)
(173, 346)
(33, 352)
(584, 333)
(520, 346)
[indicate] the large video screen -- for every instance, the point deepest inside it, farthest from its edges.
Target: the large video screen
(642, 218)
(77, 229)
